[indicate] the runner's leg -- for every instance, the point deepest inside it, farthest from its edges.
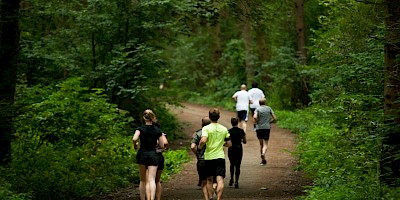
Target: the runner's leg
(143, 180)
(152, 181)
(158, 185)
(205, 190)
(237, 172)
(264, 149)
(232, 171)
(210, 188)
(261, 145)
(220, 187)
(244, 125)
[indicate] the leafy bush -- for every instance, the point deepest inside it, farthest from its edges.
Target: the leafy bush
(173, 162)
(72, 143)
(342, 158)
(6, 192)
(71, 115)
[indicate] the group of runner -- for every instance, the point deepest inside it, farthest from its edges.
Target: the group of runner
(208, 142)
(262, 114)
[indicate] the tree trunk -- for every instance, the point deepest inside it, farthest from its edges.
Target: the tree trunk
(264, 53)
(9, 47)
(217, 51)
(390, 165)
(302, 93)
(247, 41)
(301, 36)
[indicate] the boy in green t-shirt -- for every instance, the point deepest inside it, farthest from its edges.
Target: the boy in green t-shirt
(215, 136)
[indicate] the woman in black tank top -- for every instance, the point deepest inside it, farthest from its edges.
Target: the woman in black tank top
(147, 158)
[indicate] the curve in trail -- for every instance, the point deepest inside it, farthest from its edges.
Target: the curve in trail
(276, 180)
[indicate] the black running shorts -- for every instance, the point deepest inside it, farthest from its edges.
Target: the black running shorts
(201, 169)
(242, 115)
(215, 167)
(263, 134)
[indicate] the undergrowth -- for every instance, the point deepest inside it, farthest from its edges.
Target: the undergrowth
(342, 160)
(71, 143)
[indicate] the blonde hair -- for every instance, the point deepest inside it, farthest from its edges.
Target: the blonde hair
(148, 115)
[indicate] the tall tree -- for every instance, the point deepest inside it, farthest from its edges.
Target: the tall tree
(247, 39)
(217, 49)
(264, 51)
(301, 36)
(391, 143)
(9, 47)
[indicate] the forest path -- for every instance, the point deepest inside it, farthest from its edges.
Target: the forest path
(276, 181)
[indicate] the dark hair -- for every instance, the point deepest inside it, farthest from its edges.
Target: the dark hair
(213, 114)
(254, 85)
(205, 121)
(234, 121)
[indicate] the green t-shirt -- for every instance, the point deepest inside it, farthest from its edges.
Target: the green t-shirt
(216, 136)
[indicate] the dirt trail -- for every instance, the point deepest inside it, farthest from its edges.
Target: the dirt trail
(276, 181)
(278, 177)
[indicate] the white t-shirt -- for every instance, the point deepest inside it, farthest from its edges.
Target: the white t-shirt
(242, 100)
(256, 94)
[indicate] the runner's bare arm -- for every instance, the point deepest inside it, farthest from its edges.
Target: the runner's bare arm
(228, 143)
(165, 141)
(135, 139)
(202, 142)
(255, 116)
(273, 117)
(193, 148)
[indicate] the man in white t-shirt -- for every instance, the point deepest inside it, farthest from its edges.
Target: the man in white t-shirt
(256, 94)
(243, 99)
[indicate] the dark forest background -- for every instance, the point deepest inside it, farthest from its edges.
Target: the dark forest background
(76, 76)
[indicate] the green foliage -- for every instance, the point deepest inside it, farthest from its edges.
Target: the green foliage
(116, 45)
(71, 140)
(361, 74)
(191, 62)
(288, 80)
(72, 143)
(340, 135)
(71, 115)
(7, 193)
(169, 123)
(71, 172)
(344, 162)
(173, 162)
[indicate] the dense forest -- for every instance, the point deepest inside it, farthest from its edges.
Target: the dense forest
(76, 75)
